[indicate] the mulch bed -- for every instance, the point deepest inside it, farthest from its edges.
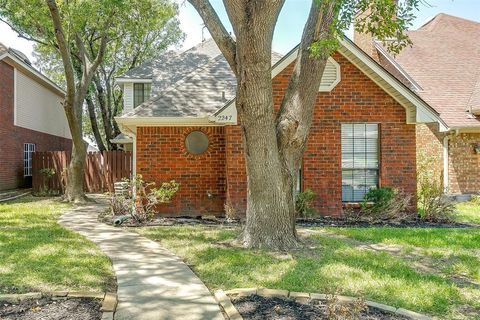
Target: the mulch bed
(314, 222)
(260, 308)
(47, 309)
(414, 223)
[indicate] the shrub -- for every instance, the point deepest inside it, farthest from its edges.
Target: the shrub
(140, 200)
(230, 212)
(304, 203)
(385, 204)
(433, 205)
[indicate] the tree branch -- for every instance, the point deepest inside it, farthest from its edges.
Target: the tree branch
(64, 51)
(216, 28)
(22, 35)
(296, 112)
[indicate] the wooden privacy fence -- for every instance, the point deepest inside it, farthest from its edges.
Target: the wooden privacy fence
(102, 170)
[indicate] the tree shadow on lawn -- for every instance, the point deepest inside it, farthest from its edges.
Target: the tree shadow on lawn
(329, 266)
(37, 254)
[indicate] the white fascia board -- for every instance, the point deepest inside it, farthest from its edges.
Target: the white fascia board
(37, 74)
(466, 129)
(422, 108)
(166, 121)
(397, 66)
(226, 115)
(132, 80)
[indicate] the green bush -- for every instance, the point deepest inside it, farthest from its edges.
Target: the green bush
(304, 203)
(384, 204)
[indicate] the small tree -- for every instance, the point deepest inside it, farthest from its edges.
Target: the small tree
(432, 204)
(79, 33)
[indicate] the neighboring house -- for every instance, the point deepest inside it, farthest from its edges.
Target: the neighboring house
(181, 118)
(31, 118)
(443, 68)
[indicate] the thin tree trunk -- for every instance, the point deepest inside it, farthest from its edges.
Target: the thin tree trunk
(94, 123)
(104, 110)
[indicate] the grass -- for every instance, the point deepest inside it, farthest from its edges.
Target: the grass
(334, 261)
(37, 254)
(469, 211)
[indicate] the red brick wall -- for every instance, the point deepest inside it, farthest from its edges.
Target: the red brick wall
(463, 164)
(12, 137)
(161, 156)
(355, 99)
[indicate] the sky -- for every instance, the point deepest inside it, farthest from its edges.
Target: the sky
(289, 27)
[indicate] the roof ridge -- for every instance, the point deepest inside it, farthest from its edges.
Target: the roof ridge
(434, 20)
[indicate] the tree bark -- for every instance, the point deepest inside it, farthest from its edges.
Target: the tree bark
(270, 205)
(273, 144)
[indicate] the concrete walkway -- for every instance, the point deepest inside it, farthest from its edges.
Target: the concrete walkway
(152, 283)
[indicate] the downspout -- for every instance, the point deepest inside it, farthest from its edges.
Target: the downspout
(445, 164)
(134, 153)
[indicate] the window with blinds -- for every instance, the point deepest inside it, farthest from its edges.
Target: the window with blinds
(141, 93)
(359, 160)
(28, 150)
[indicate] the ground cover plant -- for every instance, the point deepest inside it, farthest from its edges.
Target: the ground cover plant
(428, 270)
(37, 254)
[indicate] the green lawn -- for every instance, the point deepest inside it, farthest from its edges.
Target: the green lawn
(435, 271)
(37, 254)
(469, 211)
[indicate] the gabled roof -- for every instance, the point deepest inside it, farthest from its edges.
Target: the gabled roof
(195, 83)
(20, 61)
(445, 61)
(210, 90)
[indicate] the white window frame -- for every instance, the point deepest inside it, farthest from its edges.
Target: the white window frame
(365, 168)
(28, 150)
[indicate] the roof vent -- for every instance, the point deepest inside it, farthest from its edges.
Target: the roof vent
(331, 76)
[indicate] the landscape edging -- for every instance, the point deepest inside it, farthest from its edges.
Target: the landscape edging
(109, 299)
(224, 300)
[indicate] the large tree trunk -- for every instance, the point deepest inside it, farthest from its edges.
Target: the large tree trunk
(273, 145)
(270, 203)
(75, 173)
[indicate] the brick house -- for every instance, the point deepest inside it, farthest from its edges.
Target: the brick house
(443, 68)
(181, 122)
(31, 118)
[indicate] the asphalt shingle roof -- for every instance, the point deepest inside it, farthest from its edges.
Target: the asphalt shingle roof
(445, 60)
(194, 83)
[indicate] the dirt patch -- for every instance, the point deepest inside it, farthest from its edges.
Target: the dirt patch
(260, 308)
(47, 309)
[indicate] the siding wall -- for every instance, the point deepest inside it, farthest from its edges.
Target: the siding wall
(37, 108)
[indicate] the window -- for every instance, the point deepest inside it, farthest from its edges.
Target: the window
(359, 160)
(28, 150)
(298, 187)
(196, 142)
(141, 93)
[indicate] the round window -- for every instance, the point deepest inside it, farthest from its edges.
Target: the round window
(196, 142)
